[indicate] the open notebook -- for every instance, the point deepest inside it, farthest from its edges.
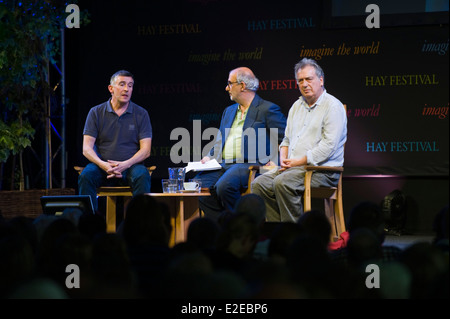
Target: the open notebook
(199, 166)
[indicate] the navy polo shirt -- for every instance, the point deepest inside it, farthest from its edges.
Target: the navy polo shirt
(117, 138)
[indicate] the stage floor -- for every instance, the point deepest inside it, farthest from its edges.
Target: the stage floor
(406, 240)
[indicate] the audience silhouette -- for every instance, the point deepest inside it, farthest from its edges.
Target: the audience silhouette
(218, 260)
(146, 230)
(366, 228)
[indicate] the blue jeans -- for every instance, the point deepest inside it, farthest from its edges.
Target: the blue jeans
(225, 185)
(92, 177)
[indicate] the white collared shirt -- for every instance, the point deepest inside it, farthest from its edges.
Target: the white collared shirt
(319, 131)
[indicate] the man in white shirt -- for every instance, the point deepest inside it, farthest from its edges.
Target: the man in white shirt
(315, 134)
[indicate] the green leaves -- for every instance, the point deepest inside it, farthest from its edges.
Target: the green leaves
(14, 138)
(29, 41)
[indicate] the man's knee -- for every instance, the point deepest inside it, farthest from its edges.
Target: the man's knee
(279, 184)
(140, 170)
(84, 178)
(223, 189)
(262, 184)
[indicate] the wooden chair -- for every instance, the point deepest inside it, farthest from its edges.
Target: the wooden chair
(112, 193)
(332, 196)
(251, 177)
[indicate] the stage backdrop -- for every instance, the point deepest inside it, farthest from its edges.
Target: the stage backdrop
(393, 79)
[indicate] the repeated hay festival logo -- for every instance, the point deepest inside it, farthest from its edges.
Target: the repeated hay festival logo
(343, 49)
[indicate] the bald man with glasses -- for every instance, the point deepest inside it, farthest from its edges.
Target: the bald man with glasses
(249, 134)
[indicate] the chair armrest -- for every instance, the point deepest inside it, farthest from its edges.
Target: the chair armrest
(79, 169)
(151, 169)
(252, 174)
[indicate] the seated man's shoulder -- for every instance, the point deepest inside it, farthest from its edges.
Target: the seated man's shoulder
(138, 107)
(332, 100)
(267, 105)
(102, 105)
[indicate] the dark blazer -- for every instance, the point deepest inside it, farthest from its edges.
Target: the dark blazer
(262, 115)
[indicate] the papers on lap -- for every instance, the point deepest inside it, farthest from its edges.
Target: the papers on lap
(198, 166)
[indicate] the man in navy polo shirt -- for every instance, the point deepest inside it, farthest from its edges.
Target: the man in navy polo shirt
(117, 138)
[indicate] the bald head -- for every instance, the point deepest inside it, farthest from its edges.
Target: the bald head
(244, 70)
(245, 75)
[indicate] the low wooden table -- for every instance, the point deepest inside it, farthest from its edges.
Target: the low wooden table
(183, 209)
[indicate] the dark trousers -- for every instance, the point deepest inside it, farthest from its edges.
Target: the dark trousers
(226, 186)
(92, 177)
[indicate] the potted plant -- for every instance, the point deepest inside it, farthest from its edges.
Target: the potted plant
(29, 46)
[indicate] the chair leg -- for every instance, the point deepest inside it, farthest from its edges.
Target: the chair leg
(126, 201)
(339, 210)
(331, 214)
(111, 204)
(339, 217)
(307, 193)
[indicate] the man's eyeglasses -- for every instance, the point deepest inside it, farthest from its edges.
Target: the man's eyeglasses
(230, 84)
